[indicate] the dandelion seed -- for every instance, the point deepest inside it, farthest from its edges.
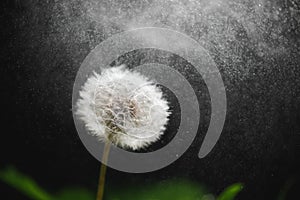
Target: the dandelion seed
(123, 107)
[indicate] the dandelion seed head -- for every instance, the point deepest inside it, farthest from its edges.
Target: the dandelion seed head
(124, 107)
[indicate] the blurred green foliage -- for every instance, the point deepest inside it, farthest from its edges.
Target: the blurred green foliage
(230, 192)
(287, 186)
(165, 190)
(75, 194)
(31, 189)
(24, 184)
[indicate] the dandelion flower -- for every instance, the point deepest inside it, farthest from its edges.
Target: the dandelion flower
(124, 107)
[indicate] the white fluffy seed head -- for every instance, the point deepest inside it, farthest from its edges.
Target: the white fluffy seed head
(124, 107)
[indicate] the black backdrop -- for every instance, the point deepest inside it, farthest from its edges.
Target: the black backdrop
(259, 145)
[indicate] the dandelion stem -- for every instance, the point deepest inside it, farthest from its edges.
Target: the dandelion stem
(103, 171)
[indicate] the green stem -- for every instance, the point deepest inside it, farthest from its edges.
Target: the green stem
(103, 171)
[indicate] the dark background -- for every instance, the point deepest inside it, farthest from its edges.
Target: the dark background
(44, 42)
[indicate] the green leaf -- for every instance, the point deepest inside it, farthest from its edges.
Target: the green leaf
(75, 193)
(287, 186)
(24, 184)
(230, 192)
(175, 190)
